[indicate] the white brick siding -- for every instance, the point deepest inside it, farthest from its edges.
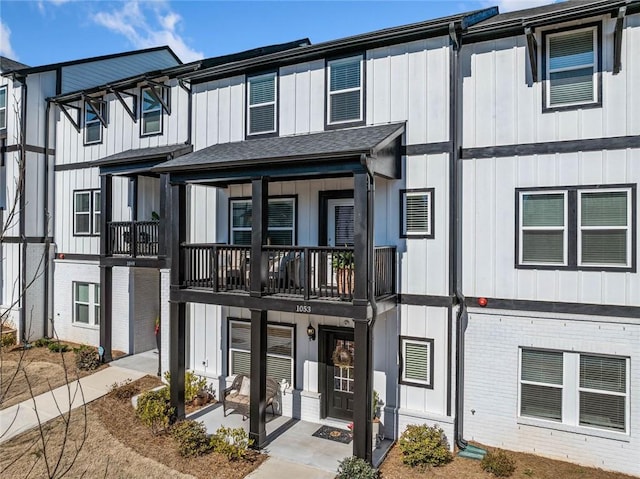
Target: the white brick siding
(491, 385)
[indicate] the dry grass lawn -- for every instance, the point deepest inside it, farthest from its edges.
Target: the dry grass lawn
(527, 466)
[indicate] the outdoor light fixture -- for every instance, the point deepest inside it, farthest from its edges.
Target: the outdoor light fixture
(482, 302)
(311, 332)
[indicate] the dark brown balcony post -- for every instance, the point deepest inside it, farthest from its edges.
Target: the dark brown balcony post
(106, 192)
(360, 239)
(258, 392)
(259, 226)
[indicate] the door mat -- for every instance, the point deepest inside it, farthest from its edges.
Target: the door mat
(334, 434)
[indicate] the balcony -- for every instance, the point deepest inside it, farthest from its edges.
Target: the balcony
(133, 239)
(296, 272)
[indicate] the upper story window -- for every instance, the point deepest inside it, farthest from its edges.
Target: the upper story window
(577, 228)
(151, 114)
(262, 104)
(416, 213)
(282, 214)
(93, 111)
(86, 212)
(572, 60)
(3, 107)
(345, 90)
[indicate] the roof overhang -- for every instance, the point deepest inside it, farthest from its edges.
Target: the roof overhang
(141, 160)
(324, 154)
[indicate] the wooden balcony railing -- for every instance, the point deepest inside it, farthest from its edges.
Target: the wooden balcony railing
(309, 272)
(132, 238)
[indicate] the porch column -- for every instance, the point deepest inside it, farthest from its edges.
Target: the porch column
(258, 393)
(259, 226)
(363, 390)
(360, 239)
(133, 200)
(177, 330)
(106, 272)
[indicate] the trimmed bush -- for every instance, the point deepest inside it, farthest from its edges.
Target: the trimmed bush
(7, 339)
(498, 463)
(154, 410)
(231, 443)
(57, 347)
(124, 390)
(191, 437)
(356, 468)
(42, 342)
(87, 358)
(193, 384)
(424, 446)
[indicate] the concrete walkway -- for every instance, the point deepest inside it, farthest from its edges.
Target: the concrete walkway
(24, 416)
(275, 468)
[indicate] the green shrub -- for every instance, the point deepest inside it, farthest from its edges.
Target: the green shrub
(231, 443)
(193, 384)
(7, 340)
(191, 437)
(356, 468)
(124, 390)
(57, 347)
(42, 342)
(424, 446)
(154, 409)
(87, 358)
(498, 463)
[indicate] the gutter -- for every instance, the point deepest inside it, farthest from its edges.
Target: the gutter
(189, 91)
(45, 224)
(364, 161)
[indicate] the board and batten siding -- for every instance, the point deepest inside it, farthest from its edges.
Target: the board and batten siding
(502, 106)
(489, 230)
(122, 133)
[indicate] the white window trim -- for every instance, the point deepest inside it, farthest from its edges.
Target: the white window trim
(81, 213)
(148, 111)
(581, 228)
(94, 302)
(88, 123)
(429, 231)
(232, 228)
(571, 398)
(430, 368)
(565, 228)
(291, 329)
(330, 63)
(593, 65)
(3, 109)
(96, 211)
(274, 103)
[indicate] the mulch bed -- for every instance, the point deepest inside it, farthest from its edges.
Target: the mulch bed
(118, 416)
(527, 465)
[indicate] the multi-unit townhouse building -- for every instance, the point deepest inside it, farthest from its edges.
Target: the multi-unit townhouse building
(444, 213)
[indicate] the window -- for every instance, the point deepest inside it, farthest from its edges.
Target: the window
(282, 213)
(86, 212)
(587, 228)
(280, 348)
(416, 360)
(572, 65)
(86, 303)
(92, 124)
(151, 112)
(553, 384)
(262, 98)
(3, 108)
(416, 213)
(345, 96)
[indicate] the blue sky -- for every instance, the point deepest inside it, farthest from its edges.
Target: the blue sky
(51, 31)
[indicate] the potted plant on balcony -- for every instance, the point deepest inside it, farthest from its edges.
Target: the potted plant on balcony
(343, 265)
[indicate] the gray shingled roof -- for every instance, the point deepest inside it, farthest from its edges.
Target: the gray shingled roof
(7, 64)
(327, 144)
(144, 154)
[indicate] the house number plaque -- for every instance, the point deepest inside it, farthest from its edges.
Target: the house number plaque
(303, 308)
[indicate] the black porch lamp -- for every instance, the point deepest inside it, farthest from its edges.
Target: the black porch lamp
(311, 332)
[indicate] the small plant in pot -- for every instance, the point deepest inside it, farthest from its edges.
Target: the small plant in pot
(343, 264)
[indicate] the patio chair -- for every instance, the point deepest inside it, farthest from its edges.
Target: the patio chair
(236, 396)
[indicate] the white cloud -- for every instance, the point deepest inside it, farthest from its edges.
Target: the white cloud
(148, 25)
(511, 5)
(57, 3)
(6, 49)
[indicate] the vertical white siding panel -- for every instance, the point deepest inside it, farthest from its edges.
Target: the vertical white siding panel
(399, 80)
(437, 90)
(212, 115)
(224, 110)
(288, 99)
(416, 129)
(506, 81)
(381, 87)
(469, 81)
(592, 287)
(317, 94)
(237, 114)
(592, 167)
(485, 100)
(504, 253)
(631, 69)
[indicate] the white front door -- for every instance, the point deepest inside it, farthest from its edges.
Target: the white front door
(340, 222)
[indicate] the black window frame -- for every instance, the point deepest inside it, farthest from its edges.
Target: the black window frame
(271, 197)
(401, 366)
(276, 120)
(166, 97)
(294, 352)
(328, 125)
(546, 87)
(103, 112)
(93, 230)
(403, 233)
(572, 227)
